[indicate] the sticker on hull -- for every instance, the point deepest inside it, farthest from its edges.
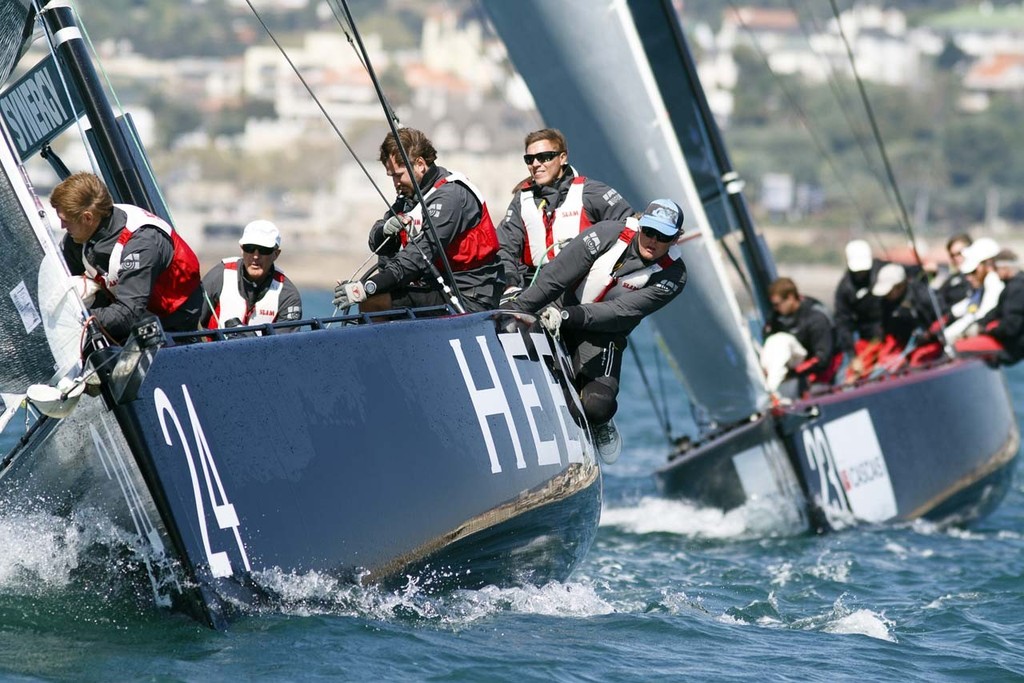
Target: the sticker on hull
(853, 478)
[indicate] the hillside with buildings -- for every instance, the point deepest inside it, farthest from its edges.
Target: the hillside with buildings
(234, 135)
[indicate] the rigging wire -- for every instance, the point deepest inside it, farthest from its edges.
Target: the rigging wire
(319, 104)
(880, 143)
(801, 113)
(660, 410)
(346, 25)
(907, 227)
(428, 225)
(845, 107)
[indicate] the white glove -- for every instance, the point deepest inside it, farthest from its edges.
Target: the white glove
(395, 225)
(348, 293)
(551, 319)
(85, 287)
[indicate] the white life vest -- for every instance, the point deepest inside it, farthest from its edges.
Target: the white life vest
(231, 304)
(601, 284)
(546, 237)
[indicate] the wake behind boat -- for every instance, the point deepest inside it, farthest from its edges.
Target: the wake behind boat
(448, 450)
(938, 442)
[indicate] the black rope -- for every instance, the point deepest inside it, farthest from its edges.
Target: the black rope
(665, 427)
(428, 224)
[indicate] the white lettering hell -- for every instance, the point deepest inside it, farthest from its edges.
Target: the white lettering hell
(488, 402)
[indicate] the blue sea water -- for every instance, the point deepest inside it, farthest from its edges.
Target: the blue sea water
(668, 592)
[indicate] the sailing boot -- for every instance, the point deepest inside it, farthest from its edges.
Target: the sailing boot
(608, 442)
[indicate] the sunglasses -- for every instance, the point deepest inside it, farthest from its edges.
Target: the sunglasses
(542, 157)
(653, 234)
(263, 251)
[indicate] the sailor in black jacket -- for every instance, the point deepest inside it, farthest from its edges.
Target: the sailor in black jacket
(603, 283)
(858, 313)
(808, 322)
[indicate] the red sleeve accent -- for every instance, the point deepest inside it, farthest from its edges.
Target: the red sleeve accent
(627, 235)
(806, 365)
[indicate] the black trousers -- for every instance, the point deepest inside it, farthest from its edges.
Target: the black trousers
(597, 363)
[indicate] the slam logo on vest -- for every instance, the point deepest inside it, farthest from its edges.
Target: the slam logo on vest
(268, 312)
(593, 242)
(130, 262)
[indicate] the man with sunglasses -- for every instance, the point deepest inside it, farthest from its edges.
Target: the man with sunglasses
(131, 262)
(549, 208)
(597, 290)
(251, 290)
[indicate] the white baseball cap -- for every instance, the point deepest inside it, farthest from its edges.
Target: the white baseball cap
(858, 256)
(981, 249)
(261, 233)
(890, 275)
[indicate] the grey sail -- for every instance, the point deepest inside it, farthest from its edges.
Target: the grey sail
(585, 65)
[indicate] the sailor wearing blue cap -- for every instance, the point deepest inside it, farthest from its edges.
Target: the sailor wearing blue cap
(597, 290)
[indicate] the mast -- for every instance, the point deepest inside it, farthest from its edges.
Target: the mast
(761, 268)
(111, 147)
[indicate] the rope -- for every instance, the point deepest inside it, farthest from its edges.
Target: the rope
(665, 427)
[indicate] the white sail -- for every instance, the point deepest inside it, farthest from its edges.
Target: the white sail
(585, 64)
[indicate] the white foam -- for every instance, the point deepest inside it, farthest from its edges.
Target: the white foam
(313, 593)
(661, 515)
(39, 550)
(862, 622)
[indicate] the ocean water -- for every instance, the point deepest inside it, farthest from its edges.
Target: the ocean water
(669, 592)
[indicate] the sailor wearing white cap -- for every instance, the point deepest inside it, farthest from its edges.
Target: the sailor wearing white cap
(250, 289)
(978, 266)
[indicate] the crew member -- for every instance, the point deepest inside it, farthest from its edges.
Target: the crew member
(134, 262)
(597, 290)
(907, 310)
(250, 289)
(1002, 336)
(799, 339)
(858, 313)
(460, 219)
(550, 207)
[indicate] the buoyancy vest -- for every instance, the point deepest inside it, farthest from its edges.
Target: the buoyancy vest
(471, 248)
(601, 283)
(174, 285)
(545, 236)
(231, 303)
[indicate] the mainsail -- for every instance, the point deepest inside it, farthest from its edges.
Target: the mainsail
(640, 132)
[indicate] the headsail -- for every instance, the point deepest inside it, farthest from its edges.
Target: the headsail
(586, 66)
(40, 317)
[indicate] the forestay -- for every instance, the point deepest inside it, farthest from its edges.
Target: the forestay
(586, 67)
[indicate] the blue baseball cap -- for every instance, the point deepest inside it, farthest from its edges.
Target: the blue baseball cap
(664, 215)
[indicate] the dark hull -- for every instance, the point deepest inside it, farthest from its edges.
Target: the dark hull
(369, 452)
(939, 443)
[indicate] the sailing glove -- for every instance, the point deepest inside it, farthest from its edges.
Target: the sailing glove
(348, 293)
(395, 225)
(551, 319)
(510, 295)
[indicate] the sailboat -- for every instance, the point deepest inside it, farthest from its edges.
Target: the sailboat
(938, 443)
(480, 470)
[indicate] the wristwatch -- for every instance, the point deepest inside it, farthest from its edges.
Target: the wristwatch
(370, 287)
(565, 314)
